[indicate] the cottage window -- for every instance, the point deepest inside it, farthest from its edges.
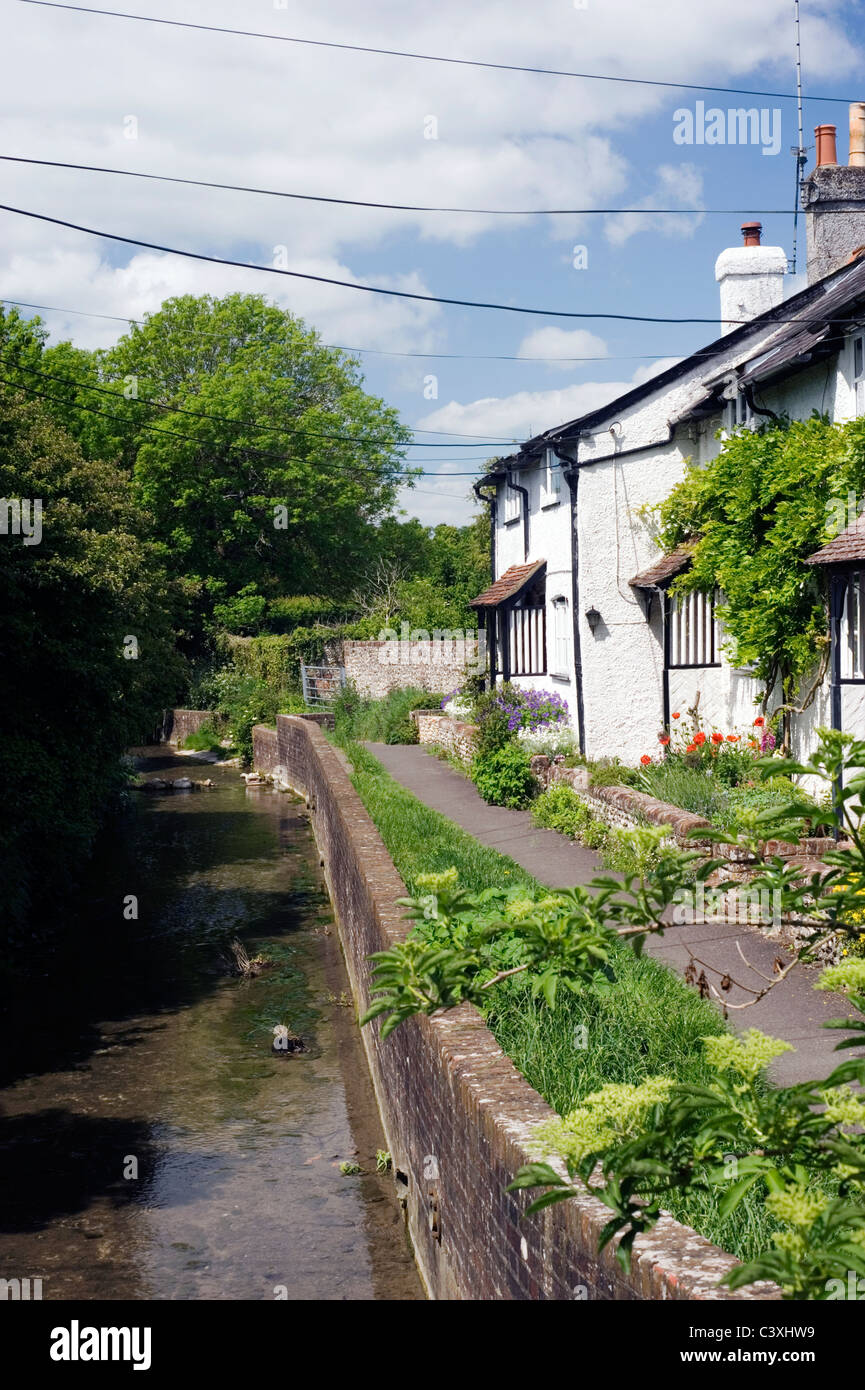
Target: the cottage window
(513, 501)
(527, 633)
(738, 413)
(853, 629)
(551, 480)
(561, 637)
(693, 631)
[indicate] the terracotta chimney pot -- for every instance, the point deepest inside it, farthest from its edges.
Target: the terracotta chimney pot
(857, 135)
(826, 149)
(752, 231)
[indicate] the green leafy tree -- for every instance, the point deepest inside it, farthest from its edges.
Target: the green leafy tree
(754, 514)
(88, 655)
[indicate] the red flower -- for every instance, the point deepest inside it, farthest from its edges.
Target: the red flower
(645, 760)
(759, 722)
(664, 739)
(691, 748)
(677, 715)
(732, 738)
(717, 738)
(752, 742)
(700, 739)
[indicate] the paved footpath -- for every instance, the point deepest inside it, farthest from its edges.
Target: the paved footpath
(793, 1010)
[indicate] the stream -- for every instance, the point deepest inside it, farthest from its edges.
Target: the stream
(153, 1145)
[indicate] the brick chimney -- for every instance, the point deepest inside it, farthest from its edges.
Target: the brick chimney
(751, 277)
(833, 197)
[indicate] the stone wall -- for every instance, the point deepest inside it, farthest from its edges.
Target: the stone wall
(452, 734)
(180, 723)
(458, 1117)
(379, 667)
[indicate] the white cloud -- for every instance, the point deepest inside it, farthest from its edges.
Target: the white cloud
(676, 186)
(562, 343)
(352, 125)
(530, 412)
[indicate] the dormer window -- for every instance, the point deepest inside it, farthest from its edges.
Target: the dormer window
(551, 480)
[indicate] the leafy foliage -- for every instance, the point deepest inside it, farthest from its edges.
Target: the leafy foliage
(755, 513)
(67, 607)
(503, 775)
(802, 1146)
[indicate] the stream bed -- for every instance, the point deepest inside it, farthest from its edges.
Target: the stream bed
(153, 1145)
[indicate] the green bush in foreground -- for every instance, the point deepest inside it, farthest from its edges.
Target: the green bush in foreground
(503, 776)
(800, 1148)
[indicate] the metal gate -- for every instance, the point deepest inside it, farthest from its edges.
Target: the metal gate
(321, 684)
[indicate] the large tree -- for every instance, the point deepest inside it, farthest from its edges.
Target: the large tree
(88, 653)
(269, 464)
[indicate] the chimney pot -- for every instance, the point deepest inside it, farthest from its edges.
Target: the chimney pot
(857, 135)
(752, 231)
(826, 149)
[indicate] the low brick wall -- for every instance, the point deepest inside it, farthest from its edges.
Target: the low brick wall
(180, 723)
(457, 1115)
(452, 734)
(379, 667)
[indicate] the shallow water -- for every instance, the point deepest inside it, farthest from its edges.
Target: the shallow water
(153, 1145)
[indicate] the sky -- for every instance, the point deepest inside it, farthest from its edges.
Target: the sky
(87, 88)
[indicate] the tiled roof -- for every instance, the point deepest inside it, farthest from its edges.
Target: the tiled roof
(849, 546)
(507, 585)
(666, 568)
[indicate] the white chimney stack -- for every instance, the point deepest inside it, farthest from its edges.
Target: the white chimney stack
(751, 278)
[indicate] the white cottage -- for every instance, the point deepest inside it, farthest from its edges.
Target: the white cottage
(580, 600)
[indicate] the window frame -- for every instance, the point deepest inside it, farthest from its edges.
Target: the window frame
(560, 668)
(708, 636)
(551, 480)
(513, 502)
(853, 579)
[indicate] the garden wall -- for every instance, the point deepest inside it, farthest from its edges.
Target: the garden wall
(452, 734)
(180, 723)
(436, 665)
(458, 1117)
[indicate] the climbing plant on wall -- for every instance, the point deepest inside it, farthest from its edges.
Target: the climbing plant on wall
(769, 500)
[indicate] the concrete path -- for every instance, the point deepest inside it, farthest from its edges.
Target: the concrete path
(793, 1010)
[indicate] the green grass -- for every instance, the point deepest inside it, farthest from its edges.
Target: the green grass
(650, 1024)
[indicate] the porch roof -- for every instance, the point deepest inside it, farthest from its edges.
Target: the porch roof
(664, 569)
(508, 586)
(844, 549)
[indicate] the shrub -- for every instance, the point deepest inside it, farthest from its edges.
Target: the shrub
(503, 776)
(692, 788)
(381, 721)
(244, 613)
(562, 809)
(301, 610)
(204, 740)
(611, 773)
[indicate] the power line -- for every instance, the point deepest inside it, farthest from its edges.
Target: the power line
(426, 57)
(354, 285)
(378, 352)
(194, 439)
(254, 424)
(387, 207)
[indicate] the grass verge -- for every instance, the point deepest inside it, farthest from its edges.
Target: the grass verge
(650, 1024)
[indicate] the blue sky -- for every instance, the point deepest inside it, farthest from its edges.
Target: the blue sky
(353, 125)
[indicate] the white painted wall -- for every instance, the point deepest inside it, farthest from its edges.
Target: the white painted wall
(623, 660)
